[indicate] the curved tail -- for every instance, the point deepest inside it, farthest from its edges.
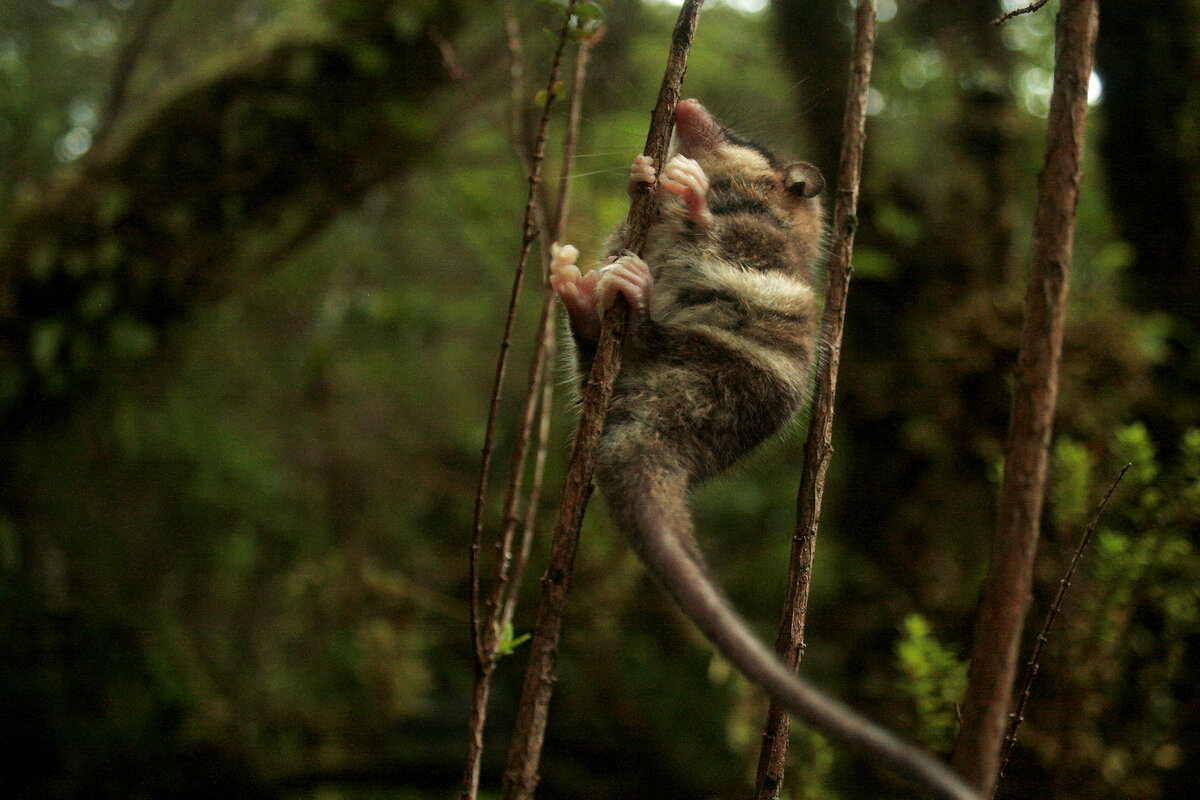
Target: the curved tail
(652, 508)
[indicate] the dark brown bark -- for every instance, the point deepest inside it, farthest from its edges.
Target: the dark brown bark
(485, 623)
(962, 247)
(1006, 591)
(818, 448)
(521, 773)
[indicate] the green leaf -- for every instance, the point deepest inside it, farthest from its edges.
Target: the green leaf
(934, 678)
(589, 11)
(508, 643)
(541, 97)
(1072, 482)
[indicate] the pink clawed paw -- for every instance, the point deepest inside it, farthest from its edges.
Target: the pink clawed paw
(576, 290)
(641, 171)
(686, 178)
(626, 276)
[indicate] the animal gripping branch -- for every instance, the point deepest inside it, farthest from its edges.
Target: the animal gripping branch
(645, 470)
(521, 773)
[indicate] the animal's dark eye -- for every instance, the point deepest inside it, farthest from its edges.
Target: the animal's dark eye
(804, 180)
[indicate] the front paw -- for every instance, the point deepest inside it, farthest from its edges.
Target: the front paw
(686, 178)
(626, 276)
(576, 290)
(641, 172)
(564, 275)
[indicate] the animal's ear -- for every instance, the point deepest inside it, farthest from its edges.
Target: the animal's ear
(804, 180)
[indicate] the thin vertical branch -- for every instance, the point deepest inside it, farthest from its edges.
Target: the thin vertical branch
(818, 447)
(546, 344)
(535, 490)
(1031, 668)
(529, 233)
(145, 20)
(1006, 591)
(484, 640)
(521, 774)
(571, 140)
(543, 346)
(516, 68)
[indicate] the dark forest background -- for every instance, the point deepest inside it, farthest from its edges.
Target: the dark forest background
(254, 260)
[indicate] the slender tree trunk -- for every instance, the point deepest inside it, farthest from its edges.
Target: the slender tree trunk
(1006, 591)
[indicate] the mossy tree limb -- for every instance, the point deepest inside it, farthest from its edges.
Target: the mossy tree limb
(205, 189)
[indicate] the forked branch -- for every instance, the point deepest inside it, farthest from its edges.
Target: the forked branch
(1029, 9)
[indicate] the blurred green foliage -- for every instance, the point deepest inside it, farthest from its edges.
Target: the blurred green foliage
(233, 525)
(935, 678)
(1135, 613)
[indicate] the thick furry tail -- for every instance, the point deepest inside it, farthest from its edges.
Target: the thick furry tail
(652, 507)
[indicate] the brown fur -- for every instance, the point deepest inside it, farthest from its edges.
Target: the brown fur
(722, 333)
(720, 360)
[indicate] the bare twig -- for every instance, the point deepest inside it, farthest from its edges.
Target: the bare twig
(516, 71)
(141, 29)
(529, 233)
(457, 73)
(511, 514)
(483, 637)
(1029, 9)
(506, 585)
(524, 756)
(571, 141)
(818, 446)
(546, 346)
(517, 578)
(1006, 591)
(1031, 669)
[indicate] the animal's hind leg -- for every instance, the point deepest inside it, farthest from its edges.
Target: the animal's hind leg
(645, 484)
